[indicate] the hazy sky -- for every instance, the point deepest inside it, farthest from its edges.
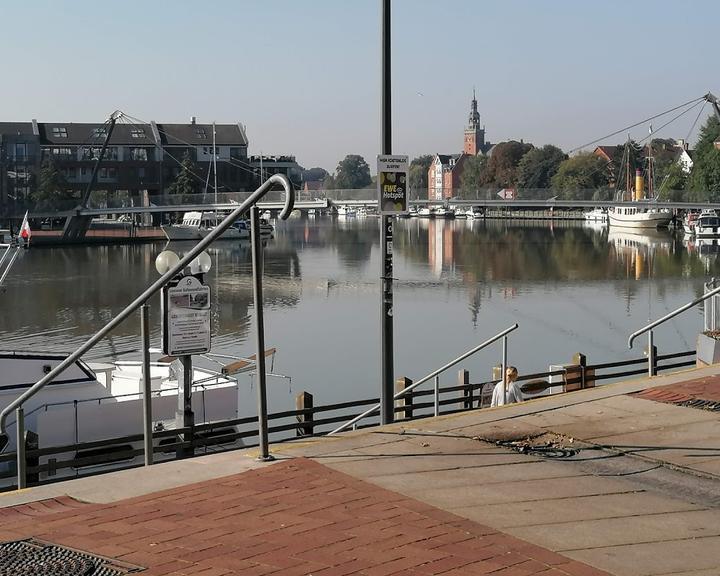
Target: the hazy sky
(304, 75)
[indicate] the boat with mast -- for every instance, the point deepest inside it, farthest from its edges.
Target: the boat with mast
(635, 207)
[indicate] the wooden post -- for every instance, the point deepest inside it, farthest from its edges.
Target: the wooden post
(467, 392)
(304, 401)
(32, 443)
(587, 380)
(406, 401)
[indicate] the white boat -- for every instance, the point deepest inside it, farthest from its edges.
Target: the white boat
(596, 215)
(189, 228)
(442, 212)
(707, 225)
(425, 212)
(100, 401)
(644, 211)
(459, 212)
(239, 230)
(474, 212)
(689, 222)
(346, 211)
(639, 216)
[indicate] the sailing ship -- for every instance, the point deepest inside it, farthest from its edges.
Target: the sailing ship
(635, 208)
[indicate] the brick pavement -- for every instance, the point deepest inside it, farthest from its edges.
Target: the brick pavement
(706, 388)
(296, 517)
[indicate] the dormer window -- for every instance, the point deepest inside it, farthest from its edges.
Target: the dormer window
(200, 133)
(59, 132)
(137, 133)
(98, 132)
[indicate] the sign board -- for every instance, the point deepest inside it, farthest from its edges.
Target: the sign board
(186, 317)
(392, 182)
(507, 194)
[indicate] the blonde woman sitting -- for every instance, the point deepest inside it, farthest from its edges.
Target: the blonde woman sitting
(512, 389)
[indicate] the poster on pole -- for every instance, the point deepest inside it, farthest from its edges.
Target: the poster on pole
(392, 179)
(186, 318)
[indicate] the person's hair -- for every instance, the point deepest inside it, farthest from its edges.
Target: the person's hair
(511, 372)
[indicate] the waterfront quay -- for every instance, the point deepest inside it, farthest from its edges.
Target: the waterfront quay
(620, 479)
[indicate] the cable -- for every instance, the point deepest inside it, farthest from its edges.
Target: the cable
(693, 101)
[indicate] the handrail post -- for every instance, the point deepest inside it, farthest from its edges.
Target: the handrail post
(147, 391)
(437, 395)
(504, 369)
(257, 266)
(20, 450)
(651, 355)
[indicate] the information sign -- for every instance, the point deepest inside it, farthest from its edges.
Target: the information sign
(186, 318)
(392, 182)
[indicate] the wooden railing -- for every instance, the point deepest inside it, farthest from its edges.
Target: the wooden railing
(53, 463)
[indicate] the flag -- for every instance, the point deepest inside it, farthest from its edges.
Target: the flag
(25, 232)
(507, 193)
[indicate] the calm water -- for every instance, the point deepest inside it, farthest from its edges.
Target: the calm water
(571, 288)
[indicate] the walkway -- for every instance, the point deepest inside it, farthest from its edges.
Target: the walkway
(594, 482)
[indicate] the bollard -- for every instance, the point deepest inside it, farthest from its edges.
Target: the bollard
(467, 392)
(304, 401)
(406, 401)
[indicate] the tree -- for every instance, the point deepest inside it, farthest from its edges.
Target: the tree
(314, 175)
(186, 181)
(472, 175)
(352, 172)
(538, 166)
(704, 180)
(672, 183)
(51, 192)
(581, 172)
(418, 174)
(502, 165)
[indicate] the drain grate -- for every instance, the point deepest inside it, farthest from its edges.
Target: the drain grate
(36, 558)
(711, 405)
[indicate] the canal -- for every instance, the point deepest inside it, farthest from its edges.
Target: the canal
(571, 288)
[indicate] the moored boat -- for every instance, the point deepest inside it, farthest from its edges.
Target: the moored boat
(596, 215)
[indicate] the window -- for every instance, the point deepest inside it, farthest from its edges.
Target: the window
(208, 150)
(63, 152)
(111, 153)
(20, 151)
(108, 173)
(59, 132)
(137, 133)
(200, 133)
(139, 154)
(98, 132)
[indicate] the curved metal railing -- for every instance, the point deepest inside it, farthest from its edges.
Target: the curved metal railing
(649, 327)
(150, 291)
(435, 375)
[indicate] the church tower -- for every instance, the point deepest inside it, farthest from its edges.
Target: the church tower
(474, 134)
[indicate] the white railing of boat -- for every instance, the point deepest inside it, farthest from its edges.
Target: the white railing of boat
(436, 376)
(649, 327)
(12, 250)
(16, 405)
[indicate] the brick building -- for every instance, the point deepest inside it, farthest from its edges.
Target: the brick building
(446, 169)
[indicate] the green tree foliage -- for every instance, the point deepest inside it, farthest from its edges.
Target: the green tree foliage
(186, 181)
(314, 174)
(51, 192)
(419, 175)
(538, 166)
(471, 179)
(581, 172)
(501, 168)
(672, 183)
(704, 181)
(352, 172)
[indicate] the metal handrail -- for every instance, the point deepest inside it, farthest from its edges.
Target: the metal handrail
(429, 377)
(671, 315)
(280, 179)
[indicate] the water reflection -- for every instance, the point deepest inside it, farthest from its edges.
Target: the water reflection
(458, 282)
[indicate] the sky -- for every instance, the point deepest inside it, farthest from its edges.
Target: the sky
(304, 76)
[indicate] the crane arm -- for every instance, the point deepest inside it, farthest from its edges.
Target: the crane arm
(710, 97)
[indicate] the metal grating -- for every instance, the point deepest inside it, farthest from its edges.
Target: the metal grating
(711, 405)
(36, 558)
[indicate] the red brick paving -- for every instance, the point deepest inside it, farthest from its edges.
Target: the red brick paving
(707, 388)
(294, 518)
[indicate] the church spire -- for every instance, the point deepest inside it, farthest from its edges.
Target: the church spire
(474, 117)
